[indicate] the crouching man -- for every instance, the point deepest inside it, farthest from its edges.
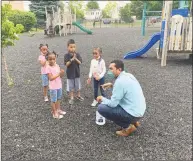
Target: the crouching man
(127, 104)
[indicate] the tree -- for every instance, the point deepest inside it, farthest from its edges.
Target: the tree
(137, 8)
(104, 14)
(109, 8)
(27, 19)
(92, 5)
(9, 31)
(77, 6)
(38, 8)
(154, 6)
(125, 13)
(8, 35)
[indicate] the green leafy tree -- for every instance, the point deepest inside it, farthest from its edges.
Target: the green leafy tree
(92, 5)
(125, 13)
(77, 6)
(104, 14)
(27, 19)
(38, 8)
(154, 5)
(137, 8)
(9, 33)
(109, 8)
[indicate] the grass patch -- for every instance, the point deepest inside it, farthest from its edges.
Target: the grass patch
(137, 23)
(38, 30)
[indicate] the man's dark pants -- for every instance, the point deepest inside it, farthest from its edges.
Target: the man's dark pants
(118, 115)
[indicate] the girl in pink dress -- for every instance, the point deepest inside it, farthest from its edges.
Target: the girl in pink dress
(55, 85)
(42, 60)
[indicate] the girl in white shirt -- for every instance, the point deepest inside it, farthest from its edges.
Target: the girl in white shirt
(97, 71)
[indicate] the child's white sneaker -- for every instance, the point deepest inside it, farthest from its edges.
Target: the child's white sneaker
(62, 112)
(71, 101)
(94, 103)
(46, 99)
(58, 116)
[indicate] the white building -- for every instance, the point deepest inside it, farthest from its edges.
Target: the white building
(93, 14)
(16, 5)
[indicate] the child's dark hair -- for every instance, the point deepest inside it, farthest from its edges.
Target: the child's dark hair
(50, 53)
(42, 45)
(71, 41)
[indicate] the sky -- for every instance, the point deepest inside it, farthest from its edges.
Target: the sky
(101, 4)
(26, 5)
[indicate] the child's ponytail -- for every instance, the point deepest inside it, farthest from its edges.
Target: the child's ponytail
(55, 53)
(43, 45)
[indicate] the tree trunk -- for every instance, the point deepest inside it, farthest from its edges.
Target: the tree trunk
(9, 79)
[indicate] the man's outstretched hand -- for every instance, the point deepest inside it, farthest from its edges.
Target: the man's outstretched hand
(107, 85)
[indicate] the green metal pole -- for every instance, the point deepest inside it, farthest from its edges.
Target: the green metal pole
(143, 18)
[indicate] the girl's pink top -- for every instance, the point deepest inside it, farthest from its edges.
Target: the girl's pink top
(43, 68)
(54, 70)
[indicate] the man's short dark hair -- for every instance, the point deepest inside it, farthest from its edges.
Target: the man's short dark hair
(71, 41)
(118, 64)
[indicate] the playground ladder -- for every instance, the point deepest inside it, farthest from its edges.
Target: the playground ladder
(50, 30)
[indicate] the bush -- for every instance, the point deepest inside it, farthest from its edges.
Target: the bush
(8, 30)
(27, 19)
(9, 33)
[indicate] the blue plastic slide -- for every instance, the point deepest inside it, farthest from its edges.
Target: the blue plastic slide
(156, 37)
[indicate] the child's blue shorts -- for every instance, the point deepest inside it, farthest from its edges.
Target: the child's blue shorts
(55, 94)
(45, 80)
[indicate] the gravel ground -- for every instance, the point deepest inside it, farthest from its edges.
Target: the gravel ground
(30, 133)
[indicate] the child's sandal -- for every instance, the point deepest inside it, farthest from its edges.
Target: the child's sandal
(58, 117)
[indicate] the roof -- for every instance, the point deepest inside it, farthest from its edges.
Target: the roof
(93, 10)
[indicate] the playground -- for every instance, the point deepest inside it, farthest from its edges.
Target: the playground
(30, 133)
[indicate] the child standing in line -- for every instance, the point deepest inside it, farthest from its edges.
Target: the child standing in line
(42, 60)
(97, 71)
(73, 60)
(55, 85)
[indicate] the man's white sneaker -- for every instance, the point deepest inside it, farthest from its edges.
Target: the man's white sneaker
(46, 99)
(94, 103)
